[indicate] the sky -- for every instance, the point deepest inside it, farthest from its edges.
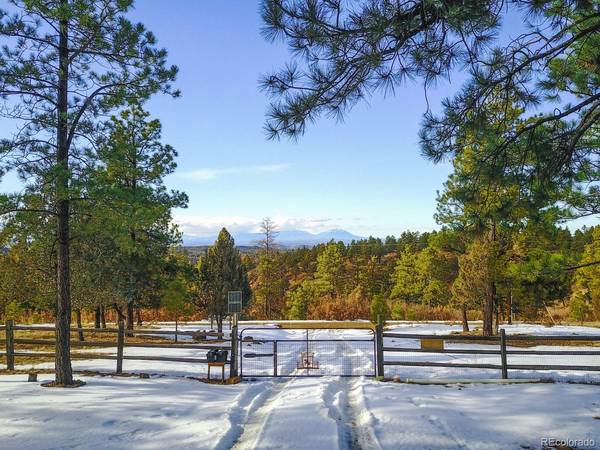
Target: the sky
(365, 175)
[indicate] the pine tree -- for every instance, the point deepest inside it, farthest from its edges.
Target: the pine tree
(330, 273)
(176, 300)
(131, 198)
(476, 280)
(220, 271)
(379, 309)
(409, 282)
(64, 64)
(270, 286)
(586, 288)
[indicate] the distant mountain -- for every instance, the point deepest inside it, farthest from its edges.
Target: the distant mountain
(286, 238)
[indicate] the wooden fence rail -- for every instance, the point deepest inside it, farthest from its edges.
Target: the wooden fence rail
(10, 344)
(502, 341)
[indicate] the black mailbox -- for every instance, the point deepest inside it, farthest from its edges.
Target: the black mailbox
(221, 355)
(216, 355)
(211, 355)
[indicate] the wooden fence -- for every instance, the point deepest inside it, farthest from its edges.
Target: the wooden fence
(502, 341)
(11, 343)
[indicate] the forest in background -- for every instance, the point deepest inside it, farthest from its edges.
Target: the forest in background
(436, 275)
(541, 277)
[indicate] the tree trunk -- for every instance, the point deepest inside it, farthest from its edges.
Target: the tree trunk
(139, 317)
(488, 310)
(510, 307)
(102, 316)
(219, 324)
(465, 321)
(176, 329)
(130, 313)
(97, 317)
(490, 297)
(79, 325)
(119, 311)
(63, 369)
(497, 309)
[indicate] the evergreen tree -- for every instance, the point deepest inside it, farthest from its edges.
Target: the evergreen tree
(132, 201)
(379, 309)
(476, 279)
(220, 271)
(270, 286)
(330, 274)
(299, 301)
(409, 282)
(585, 297)
(64, 64)
(176, 300)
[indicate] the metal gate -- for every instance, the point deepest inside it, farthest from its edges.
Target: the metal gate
(305, 354)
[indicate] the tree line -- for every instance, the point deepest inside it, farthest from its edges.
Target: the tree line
(441, 274)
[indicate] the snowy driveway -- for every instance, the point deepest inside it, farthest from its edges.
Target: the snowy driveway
(318, 413)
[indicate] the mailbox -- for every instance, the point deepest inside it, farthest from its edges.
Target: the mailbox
(216, 355)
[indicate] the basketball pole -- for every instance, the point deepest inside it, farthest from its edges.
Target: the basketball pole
(234, 346)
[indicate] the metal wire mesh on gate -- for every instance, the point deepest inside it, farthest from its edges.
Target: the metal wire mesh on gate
(312, 357)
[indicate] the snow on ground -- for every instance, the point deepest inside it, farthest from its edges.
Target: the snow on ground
(302, 413)
(482, 416)
(117, 413)
(305, 413)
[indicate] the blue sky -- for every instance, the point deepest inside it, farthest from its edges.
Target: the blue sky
(364, 175)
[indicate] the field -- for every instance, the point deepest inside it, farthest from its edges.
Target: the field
(171, 410)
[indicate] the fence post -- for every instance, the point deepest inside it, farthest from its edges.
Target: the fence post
(10, 345)
(503, 354)
(120, 345)
(275, 358)
(233, 368)
(379, 347)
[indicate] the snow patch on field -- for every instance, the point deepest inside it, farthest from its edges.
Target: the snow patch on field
(482, 416)
(315, 414)
(115, 413)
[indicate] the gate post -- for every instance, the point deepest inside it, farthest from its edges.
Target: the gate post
(275, 358)
(379, 347)
(233, 367)
(503, 354)
(10, 345)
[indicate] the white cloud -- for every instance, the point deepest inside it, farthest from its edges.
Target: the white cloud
(194, 225)
(206, 174)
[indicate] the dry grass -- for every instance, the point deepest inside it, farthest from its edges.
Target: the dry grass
(317, 325)
(522, 343)
(90, 337)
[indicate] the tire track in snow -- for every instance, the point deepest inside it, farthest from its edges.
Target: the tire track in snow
(444, 429)
(252, 428)
(356, 420)
(359, 418)
(237, 414)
